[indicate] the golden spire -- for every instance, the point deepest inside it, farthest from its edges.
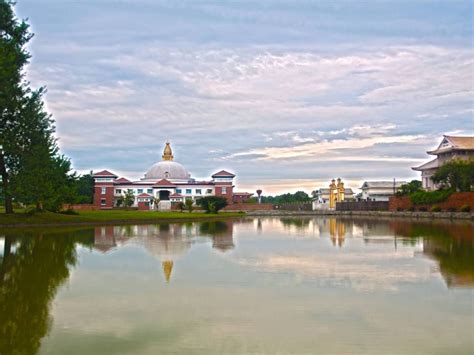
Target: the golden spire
(167, 153)
(167, 269)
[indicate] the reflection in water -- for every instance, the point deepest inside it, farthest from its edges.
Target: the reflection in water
(370, 255)
(166, 242)
(31, 270)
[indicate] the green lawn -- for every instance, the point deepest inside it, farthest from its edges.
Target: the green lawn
(20, 218)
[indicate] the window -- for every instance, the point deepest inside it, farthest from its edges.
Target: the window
(198, 192)
(149, 191)
(139, 191)
(209, 191)
(118, 191)
(224, 189)
(178, 191)
(130, 191)
(103, 202)
(103, 190)
(188, 191)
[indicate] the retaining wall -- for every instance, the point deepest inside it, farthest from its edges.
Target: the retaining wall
(454, 202)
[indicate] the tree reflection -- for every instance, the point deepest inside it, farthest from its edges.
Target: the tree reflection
(450, 244)
(32, 268)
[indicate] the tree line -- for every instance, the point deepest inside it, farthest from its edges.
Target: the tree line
(32, 169)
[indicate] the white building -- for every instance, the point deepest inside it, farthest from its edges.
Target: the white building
(451, 147)
(380, 190)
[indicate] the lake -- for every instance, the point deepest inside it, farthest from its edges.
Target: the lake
(244, 286)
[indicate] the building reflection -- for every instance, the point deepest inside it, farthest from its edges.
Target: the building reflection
(168, 243)
(337, 231)
(451, 245)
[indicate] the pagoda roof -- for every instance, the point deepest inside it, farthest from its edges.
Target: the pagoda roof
(382, 184)
(432, 164)
(223, 173)
(450, 143)
(105, 173)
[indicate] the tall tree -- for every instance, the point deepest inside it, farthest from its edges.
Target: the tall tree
(14, 35)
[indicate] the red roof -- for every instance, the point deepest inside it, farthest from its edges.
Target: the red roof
(164, 182)
(223, 173)
(176, 195)
(144, 195)
(122, 181)
(105, 173)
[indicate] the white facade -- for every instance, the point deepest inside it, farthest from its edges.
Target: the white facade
(380, 190)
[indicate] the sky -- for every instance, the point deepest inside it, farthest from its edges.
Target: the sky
(285, 94)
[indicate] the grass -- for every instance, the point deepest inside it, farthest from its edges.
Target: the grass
(104, 217)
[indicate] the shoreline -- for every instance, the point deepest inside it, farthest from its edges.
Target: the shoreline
(395, 214)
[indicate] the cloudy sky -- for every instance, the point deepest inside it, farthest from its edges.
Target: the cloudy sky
(286, 94)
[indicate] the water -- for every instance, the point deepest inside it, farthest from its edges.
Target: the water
(250, 286)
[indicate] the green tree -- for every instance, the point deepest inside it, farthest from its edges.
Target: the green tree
(412, 187)
(456, 174)
(189, 205)
(84, 189)
(14, 36)
(128, 198)
(212, 204)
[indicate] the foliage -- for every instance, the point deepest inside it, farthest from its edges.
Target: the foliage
(156, 202)
(84, 189)
(128, 198)
(212, 204)
(435, 208)
(189, 205)
(181, 206)
(465, 208)
(430, 197)
(299, 196)
(456, 174)
(31, 168)
(410, 188)
(70, 212)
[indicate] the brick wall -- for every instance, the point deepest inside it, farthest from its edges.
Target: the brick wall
(249, 207)
(455, 201)
(362, 206)
(108, 196)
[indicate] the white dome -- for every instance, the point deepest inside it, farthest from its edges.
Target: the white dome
(167, 169)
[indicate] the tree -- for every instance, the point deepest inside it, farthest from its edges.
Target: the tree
(156, 202)
(410, 188)
(299, 196)
(456, 174)
(212, 204)
(84, 189)
(181, 206)
(14, 35)
(128, 198)
(189, 205)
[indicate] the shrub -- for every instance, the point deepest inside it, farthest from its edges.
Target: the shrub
(180, 206)
(465, 208)
(189, 205)
(430, 197)
(399, 209)
(435, 209)
(452, 209)
(212, 204)
(411, 209)
(422, 209)
(70, 212)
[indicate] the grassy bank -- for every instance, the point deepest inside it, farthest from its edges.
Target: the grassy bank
(104, 217)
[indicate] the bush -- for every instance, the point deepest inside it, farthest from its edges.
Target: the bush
(70, 212)
(430, 197)
(399, 209)
(411, 209)
(189, 205)
(212, 204)
(465, 208)
(435, 209)
(452, 209)
(180, 206)
(422, 209)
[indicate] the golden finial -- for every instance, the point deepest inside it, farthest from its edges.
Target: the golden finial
(167, 269)
(167, 153)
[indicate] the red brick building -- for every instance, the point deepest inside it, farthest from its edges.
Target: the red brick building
(165, 182)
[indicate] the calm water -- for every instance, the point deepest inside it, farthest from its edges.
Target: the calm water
(270, 285)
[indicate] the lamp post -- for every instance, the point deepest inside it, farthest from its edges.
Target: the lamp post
(259, 193)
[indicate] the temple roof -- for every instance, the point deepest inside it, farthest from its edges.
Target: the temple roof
(432, 164)
(144, 195)
(450, 143)
(122, 180)
(381, 184)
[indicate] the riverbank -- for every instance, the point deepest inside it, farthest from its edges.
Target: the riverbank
(398, 214)
(106, 217)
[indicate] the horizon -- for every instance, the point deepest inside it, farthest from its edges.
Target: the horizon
(286, 95)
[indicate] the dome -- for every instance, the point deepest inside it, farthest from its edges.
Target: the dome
(167, 169)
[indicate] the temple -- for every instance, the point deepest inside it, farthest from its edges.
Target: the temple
(165, 183)
(450, 148)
